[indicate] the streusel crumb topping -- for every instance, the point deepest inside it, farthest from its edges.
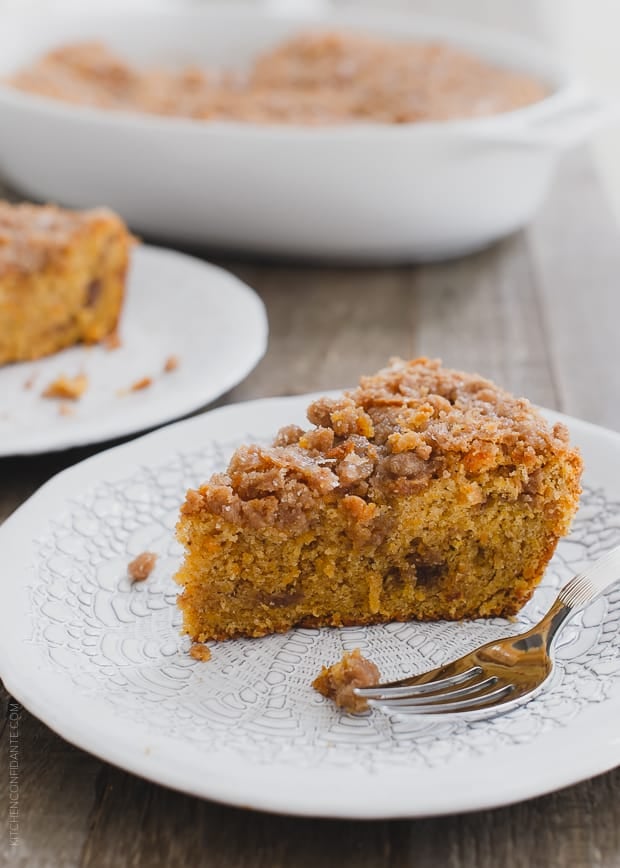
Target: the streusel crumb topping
(30, 234)
(314, 78)
(393, 434)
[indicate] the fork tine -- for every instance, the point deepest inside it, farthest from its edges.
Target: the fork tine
(471, 703)
(413, 684)
(440, 694)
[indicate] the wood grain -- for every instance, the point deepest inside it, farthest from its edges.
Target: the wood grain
(576, 261)
(482, 315)
(539, 313)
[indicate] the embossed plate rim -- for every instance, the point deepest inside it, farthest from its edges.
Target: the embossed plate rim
(514, 773)
(224, 309)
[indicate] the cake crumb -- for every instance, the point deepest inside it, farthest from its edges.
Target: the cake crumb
(142, 566)
(200, 652)
(112, 342)
(66, 410)
(337, 682)
(68, 388)
(143, 383)
(171, 364)
(29, 383)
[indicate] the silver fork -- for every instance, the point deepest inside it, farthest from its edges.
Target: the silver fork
(500, 675)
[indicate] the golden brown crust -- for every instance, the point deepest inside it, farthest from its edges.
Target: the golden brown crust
(313, 78)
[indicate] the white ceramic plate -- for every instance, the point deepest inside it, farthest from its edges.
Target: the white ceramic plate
(175, 306)
(103, 663)
(362, 192)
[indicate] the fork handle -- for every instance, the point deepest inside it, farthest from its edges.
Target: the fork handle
(549, 625)
(587, 586)
(577, 593)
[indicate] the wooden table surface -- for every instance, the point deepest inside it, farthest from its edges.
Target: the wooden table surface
(539, 313)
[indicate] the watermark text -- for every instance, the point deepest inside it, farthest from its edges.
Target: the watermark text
(13, 771)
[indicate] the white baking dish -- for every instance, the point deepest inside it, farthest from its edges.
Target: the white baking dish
(356, 192)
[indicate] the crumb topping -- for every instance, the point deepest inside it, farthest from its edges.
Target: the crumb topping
(338, 682)
(313, 78)
(31, 234)
(393, 434)
(67, 388)
(142, 566)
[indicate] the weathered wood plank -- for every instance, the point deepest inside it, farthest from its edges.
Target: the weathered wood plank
(141, 825)
(327, 325)
(56, 789)
(574, 827)
(481, 314)
(576, 257)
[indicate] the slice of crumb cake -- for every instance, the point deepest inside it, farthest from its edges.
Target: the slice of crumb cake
(425, 493)
(62, 278)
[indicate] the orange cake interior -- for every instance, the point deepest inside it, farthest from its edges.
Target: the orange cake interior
(62, 278)
(425, 493)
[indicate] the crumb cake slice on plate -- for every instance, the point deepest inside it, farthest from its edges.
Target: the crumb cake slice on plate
(425, 493)
(62, 278)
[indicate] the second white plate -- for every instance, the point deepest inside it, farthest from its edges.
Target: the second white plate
(176, 305)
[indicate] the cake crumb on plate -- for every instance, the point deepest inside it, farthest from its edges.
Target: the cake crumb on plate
(142, 566)
(171, 364)
(200, 652)
(68, 388)
(338, 681)
(140, 384)
(112, 341)
(137, 386)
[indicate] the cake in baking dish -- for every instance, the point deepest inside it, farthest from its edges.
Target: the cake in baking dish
(314, 78)
(424, 493)
(62, 278)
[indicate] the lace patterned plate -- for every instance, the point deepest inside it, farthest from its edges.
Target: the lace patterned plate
(103, 663)
(175, 305)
